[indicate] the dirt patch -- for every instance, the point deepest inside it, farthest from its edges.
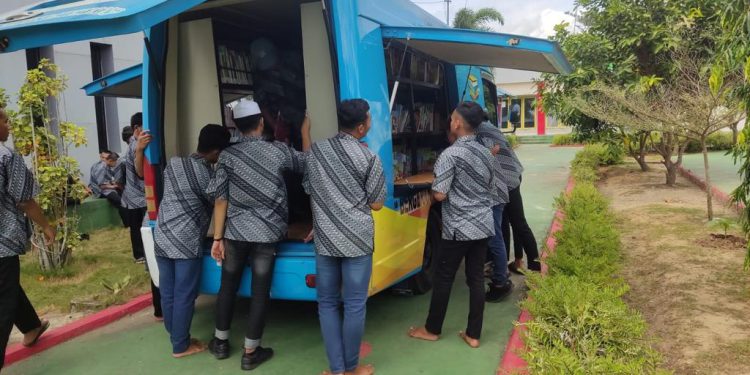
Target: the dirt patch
(685, 277)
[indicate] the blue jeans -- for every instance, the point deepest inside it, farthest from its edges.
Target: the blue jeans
(348, 278)
(497, 248)
(178, 283)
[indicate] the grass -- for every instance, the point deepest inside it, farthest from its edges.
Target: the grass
(105, 258)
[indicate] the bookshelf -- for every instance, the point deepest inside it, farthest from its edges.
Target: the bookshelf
(234, 68)
(418, 116)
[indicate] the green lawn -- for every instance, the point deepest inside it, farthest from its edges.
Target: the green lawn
(105, 258)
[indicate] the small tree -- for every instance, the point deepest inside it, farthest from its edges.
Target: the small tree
(704, 105)
(479, 19)
(57, 173)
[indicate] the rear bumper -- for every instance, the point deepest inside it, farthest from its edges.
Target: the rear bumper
(294, 262)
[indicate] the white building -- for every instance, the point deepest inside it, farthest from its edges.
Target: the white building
(517, 91)
(81, 62)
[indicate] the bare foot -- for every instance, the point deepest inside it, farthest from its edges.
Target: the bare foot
(422, 334)
(362, 370)
(194, 348)
(159, 318)
(474, 343)
(30, 338)
(326, 372)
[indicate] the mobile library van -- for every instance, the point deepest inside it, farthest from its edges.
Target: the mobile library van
(201, 56)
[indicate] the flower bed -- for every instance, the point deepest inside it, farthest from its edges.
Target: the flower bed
(580, 324)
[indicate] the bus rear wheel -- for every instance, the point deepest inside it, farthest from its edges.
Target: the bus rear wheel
(421, 283)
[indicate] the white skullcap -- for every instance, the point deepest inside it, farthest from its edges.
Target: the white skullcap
(245, 108)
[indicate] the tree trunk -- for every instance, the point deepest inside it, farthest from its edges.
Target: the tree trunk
(735, 132)
(671, 173)
(709, 196)
(641, 159)
(642, 163)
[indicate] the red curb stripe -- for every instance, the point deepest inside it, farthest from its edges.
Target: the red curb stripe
(721, 196)
(511, 362)
(77, 328)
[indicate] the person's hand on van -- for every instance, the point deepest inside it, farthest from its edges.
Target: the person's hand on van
(306, 124)
(310, 236)
(495, 150)
(143, 140)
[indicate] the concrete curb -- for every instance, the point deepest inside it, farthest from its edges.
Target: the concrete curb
(512, 363)
(77, 328)
(721, 196)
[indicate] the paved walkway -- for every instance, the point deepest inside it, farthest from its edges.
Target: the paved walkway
(138, 345)
(723, 170)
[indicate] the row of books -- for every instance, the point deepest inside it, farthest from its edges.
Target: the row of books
(424, 117)
(402, 160)
(235, 66)
(421, 69)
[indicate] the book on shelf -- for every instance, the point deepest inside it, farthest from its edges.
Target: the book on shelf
(399, 119)
(401, 162)
(424, 117)
(235, 66)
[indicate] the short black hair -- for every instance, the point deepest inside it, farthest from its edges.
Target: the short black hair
(213, 137)
(472, 113)
(127, 132)
(112, 156)
(248, 123)
(136, 120)
(352, 112)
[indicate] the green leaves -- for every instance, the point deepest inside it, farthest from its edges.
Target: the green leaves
(716, 80)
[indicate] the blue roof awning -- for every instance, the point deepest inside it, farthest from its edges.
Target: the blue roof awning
(125, 83)
(63, 21)
(481, 48)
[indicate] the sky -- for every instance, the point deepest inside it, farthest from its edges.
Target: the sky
(535, 18)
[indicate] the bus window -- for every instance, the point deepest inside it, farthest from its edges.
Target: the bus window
(490, 99)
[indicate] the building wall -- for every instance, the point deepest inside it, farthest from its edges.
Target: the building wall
(74, 60)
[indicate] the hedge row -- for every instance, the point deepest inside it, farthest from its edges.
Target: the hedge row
(580, 323)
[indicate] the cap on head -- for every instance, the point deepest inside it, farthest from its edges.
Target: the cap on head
(245, 108)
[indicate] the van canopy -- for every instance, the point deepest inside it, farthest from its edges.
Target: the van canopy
(126, 83)
(62, 21)
(481, 48)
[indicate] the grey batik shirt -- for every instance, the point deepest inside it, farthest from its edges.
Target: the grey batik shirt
(465, 173)
(249, 175)
(185, 211)
(97, 176)
(133, 195)
(16, 185)
(343, 178)
(509, 166)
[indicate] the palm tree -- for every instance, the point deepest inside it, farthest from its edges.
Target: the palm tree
(479, 19)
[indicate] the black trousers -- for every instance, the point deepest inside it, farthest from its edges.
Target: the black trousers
(15, 307)
(115, 200)
(261, 257)
(449, 259)
(523, 236)
(134, 219)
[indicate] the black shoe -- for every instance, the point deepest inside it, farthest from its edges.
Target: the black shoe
(512, 268)
(535, 266)
(219, 348)
(140, 260)
(252, 360)
(498, 293)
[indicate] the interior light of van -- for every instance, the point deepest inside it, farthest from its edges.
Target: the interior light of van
(310, 281)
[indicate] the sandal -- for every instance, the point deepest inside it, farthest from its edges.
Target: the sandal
(42, 328)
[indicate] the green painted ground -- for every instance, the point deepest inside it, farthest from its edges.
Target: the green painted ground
(137, 345)
(723, 170)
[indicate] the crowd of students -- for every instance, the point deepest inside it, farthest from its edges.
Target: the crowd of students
(242, 186)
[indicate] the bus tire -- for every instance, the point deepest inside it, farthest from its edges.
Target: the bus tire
(421, 283)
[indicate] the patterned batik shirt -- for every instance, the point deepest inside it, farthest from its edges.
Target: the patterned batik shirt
(185, 211)
(133, 195)
(509, 167)
(466, 174)
(16, 185)
(249, 175)
(343, 177)
(98, 176)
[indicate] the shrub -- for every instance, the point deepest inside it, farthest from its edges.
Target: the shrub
(580, 323)
(720, 141)
(564, 140)
(513, 140)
